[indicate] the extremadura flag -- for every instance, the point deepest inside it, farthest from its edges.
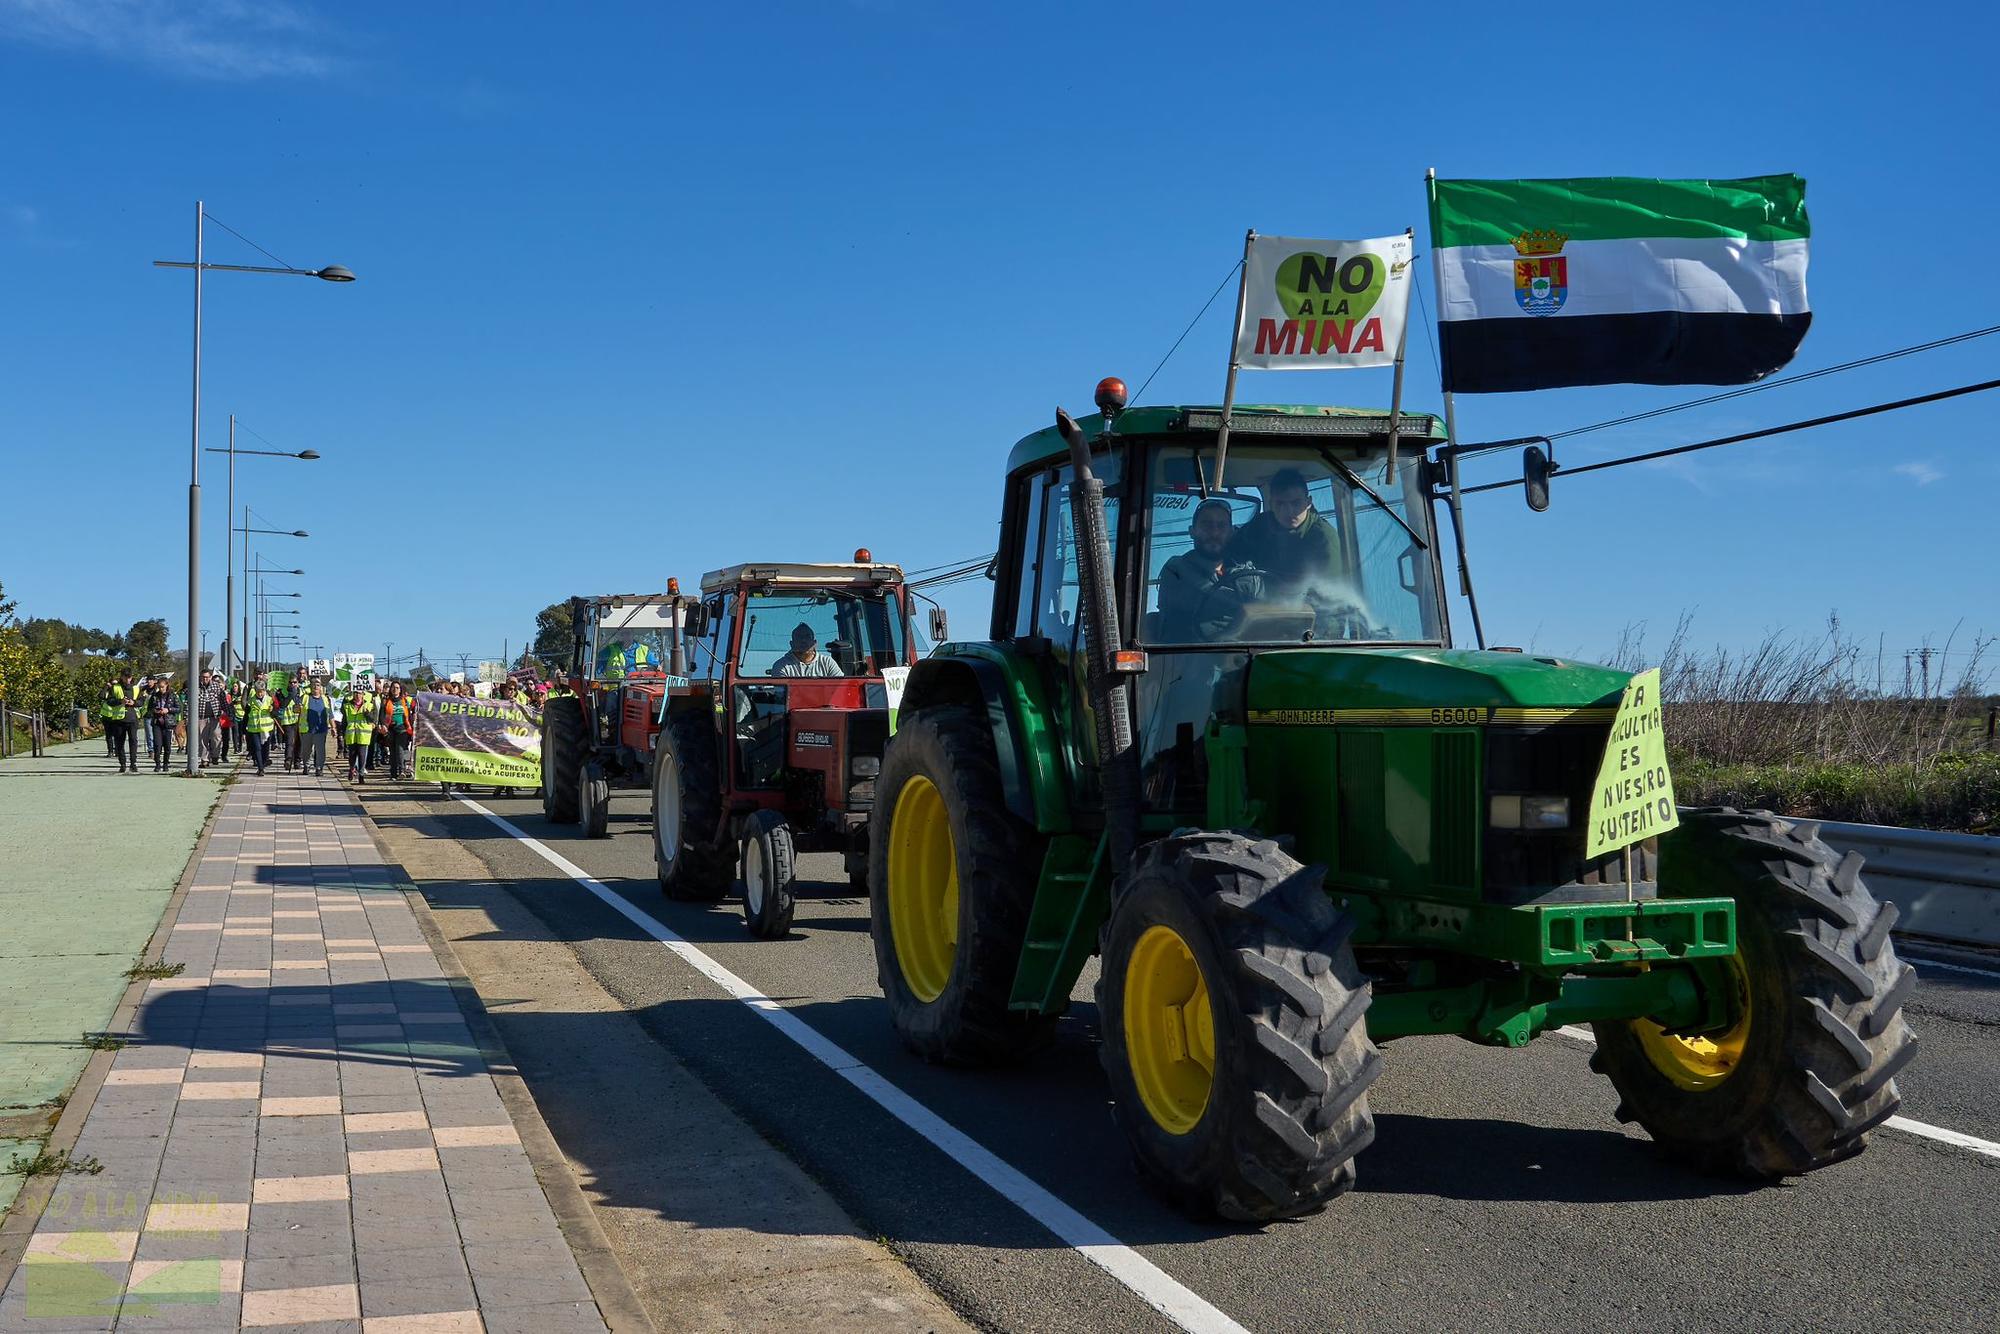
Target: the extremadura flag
(1618, 280)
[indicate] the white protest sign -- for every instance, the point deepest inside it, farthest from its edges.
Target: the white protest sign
(1323, 305)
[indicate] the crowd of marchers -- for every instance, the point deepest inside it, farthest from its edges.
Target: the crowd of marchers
(368, 728)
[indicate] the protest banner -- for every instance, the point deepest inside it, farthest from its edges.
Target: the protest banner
(1633, 798)
(481, 743)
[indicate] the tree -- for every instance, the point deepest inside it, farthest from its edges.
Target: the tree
(6, 607)
(146, 643)
(555, 636)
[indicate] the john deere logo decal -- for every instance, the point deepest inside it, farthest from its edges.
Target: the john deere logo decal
(1541, 274)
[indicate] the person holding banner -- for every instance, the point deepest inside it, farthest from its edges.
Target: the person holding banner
(398, 725)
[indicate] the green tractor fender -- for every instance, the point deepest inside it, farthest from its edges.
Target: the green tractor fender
(1005, 686)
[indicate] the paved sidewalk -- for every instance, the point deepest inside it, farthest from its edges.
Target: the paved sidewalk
(88, 860)
(303, 1131)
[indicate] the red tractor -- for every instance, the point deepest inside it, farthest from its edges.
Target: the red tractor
(599, 723)
(773, 748)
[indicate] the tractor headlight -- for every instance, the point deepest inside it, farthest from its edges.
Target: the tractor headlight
(1511, 812)
(865, 766)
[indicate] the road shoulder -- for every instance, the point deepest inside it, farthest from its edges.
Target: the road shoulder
(715, 1227)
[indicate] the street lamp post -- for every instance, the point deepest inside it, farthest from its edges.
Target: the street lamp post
(246, 530)
(229, 550)
(332, 273)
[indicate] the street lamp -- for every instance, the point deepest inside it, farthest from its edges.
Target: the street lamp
(246, 530)
(333, 273)
(265, 613)
(229, 512)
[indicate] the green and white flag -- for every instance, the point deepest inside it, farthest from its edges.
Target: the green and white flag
(1618, 280)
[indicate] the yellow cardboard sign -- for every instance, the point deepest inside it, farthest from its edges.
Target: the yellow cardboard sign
(1633, 799)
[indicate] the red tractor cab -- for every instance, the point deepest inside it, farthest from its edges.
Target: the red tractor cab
(775, 750)
(598, 724)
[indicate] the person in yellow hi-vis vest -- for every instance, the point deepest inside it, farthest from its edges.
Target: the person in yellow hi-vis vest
(118, 710)
(359, 711)
(259, 719)
(288, 726)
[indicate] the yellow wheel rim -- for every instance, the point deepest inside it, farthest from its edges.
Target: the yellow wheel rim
(923, 888)
(1169, 1030)
(1703, 1061)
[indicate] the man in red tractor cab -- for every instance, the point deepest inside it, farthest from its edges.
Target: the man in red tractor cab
(805, 659)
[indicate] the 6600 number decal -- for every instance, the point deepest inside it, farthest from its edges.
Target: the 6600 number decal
(1458, 715)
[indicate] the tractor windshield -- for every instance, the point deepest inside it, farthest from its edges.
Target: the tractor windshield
(623, 652)
(821, 632)
(1306, 544)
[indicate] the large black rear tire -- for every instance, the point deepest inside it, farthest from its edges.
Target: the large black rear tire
(1810, 1066)
(1234, 1020)
(687, 807)
(562, 757)
(953, 877)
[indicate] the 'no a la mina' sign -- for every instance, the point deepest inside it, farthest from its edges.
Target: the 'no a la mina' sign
(1633, 798)
(1323, 305)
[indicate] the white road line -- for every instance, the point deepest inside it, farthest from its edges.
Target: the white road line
(1921, 962)
(1956, 1139)
(1146, 1280)
(1943, 1136)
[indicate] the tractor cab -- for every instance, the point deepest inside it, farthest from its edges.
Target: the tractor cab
(630, 652)
(799, 667)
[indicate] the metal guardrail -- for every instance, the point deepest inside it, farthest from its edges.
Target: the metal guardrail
(1944, 885)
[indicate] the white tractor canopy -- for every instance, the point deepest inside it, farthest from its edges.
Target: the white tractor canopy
(800, 574)
(638, 611)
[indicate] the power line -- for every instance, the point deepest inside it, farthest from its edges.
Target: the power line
(1856, 364)
(1757, 388)
(1871, 411)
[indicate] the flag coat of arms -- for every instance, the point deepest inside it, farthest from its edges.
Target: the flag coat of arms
(1618, 280)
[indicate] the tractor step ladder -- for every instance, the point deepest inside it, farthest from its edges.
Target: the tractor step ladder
(1071, 900)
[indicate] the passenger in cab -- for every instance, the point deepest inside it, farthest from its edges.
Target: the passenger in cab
(1203, 590)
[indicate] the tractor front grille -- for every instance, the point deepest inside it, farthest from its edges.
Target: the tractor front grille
(1533, 866)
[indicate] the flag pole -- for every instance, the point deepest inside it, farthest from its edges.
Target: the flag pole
(1235, 338)
(1454, 494)
(1396, 392)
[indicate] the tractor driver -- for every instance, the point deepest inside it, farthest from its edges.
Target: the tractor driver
(805, 659)
(1202, 591)
(1291, 542)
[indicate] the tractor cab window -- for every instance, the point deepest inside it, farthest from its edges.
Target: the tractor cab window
(1305, 544)
(618, 653)
(824, 632)
(1057, 584)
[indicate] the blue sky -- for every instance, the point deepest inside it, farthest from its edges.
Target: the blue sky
(649, 289)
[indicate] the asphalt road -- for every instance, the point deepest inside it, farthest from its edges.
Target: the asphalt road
(1499, 1191)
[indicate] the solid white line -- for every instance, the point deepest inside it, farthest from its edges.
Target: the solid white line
(1146, 1280)
(1921, 962)
(1943, 1136)
(1957, 1139)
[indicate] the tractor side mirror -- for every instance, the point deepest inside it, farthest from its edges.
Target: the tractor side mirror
(694, 620)
(940, 627)
(1536, 469)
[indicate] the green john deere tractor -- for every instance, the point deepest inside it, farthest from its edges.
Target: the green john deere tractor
(1218, 736)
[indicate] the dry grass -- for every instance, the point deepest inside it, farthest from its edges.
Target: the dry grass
(1825, 726)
